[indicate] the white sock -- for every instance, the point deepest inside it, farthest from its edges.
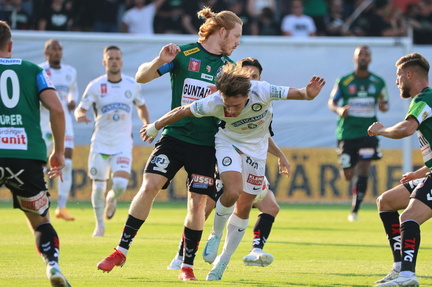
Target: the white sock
(221, 216)
(64, 186)
(397, 266)
(406, 274)
(235, 231)
(98, 200)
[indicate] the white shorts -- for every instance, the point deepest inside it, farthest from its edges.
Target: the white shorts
(251, 168)
(100, 165)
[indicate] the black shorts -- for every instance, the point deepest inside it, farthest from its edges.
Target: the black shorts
(423, 191)
(199, 161)
(25, 179)
(350, 152)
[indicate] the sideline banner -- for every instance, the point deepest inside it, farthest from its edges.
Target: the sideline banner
(314, 177)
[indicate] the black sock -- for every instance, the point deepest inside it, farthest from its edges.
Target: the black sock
(180, 247)
(47, 242)
(410, 233)
(262, 230)
(130, 230)
(359, 192)
(191, 239)
(390, 220)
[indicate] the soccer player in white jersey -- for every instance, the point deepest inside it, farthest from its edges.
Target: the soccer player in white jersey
(241, 145)
(112, 96)
(265, 202)
(64, 78)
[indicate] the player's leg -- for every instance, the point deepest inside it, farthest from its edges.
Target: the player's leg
(388, 205)
(200, 166)
(28, 176)
(64, 186)
(360, 185)
(160, 168)
(178, 258)
(236, 227)
(269, 209)
(121, 166)
(98, 171)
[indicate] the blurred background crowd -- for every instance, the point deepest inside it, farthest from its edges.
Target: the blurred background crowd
(293, 18)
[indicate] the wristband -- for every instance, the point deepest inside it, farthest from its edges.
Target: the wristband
(152, 131)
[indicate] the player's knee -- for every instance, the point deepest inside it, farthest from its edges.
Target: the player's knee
(119, 185)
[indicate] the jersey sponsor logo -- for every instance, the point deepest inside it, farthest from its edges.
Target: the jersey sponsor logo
(256, 107)
(191, 51)
(201, 181)
(255, 180)
(103, 89)
(13, 138)
(207, 77)
(226, 161)
(194, 65)
(38, 203)
(10, 61)
(123, 160)
(160, 162)
(249, 120)
(251, 162)
(194, 90)
(115, 106)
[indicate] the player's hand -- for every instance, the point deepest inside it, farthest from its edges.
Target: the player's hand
(375, 128)
(314, 87)
(284, 166)
(71, 105)
(343, 112)
(57, 163)
(83, 119)
(168, 52)
(149, 132)
(408, 177)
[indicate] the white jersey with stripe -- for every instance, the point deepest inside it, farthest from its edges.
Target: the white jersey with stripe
(65, 82)
(112, 104)
(249, 131)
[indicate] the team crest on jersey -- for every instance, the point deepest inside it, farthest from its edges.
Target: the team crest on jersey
(194, 65)
(68, 78)
(104, 88)
(256, 107)
(208, 69)
(352, 89)
(191, 51)
(48, 71)
(128, 94)
(226, 161)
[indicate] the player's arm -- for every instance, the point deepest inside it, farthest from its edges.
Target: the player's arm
(400, 130)
(421, 172)
(309, 92)
(383, 104)
(51, 101)
(149, 132)
(149, 70)
(283, 163)
(332, 103)
(143, 114)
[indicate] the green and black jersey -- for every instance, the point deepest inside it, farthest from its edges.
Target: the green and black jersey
(192, 71)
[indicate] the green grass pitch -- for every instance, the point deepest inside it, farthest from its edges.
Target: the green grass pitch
(313, 245)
